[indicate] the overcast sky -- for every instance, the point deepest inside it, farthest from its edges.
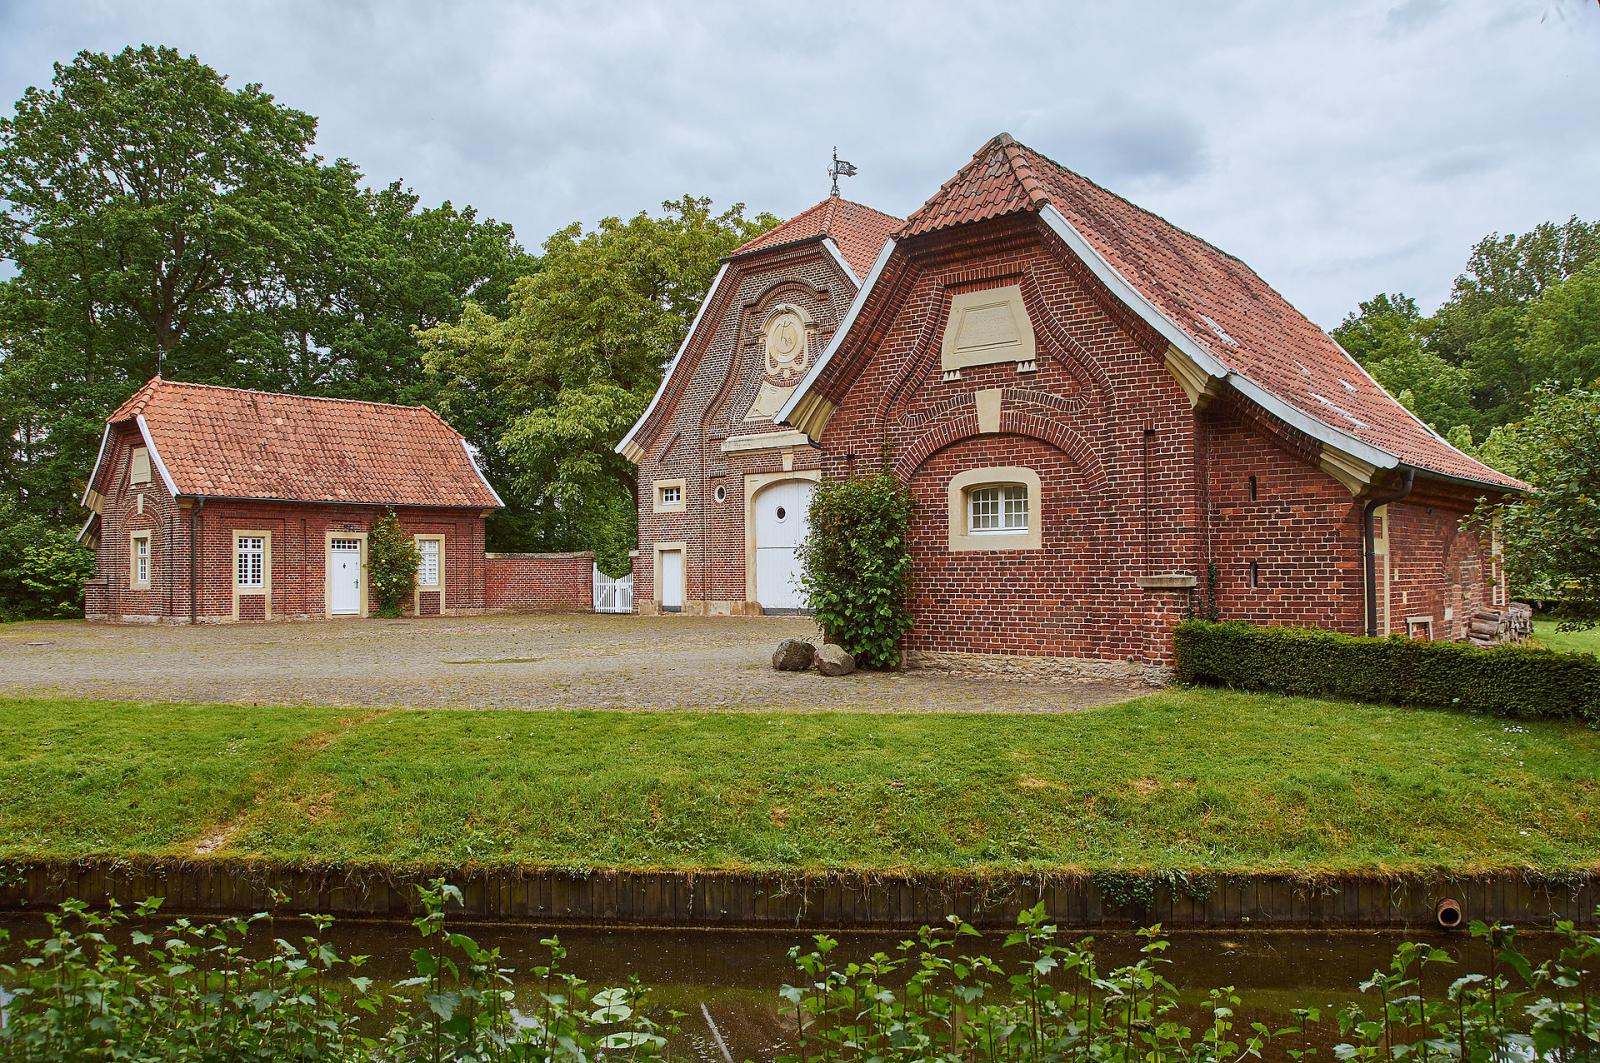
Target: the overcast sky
(1340, 148)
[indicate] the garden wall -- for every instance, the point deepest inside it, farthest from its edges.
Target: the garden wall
(527, 582)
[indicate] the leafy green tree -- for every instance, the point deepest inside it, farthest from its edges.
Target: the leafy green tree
(856, 565)
(1480, 327)
(1551, 538)
(392, 561)
(1561, 329)
(156, 216)
(575, 360)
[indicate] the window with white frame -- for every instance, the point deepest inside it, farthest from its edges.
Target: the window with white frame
(672, 495)
(429, 553)
(250, 563)
(139, 567)
(997, 509)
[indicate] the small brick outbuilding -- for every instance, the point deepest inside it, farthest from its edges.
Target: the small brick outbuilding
(217, 504)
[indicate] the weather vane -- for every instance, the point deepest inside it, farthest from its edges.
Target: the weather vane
(839, 169)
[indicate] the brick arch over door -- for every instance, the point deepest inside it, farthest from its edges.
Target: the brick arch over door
(1031, 425)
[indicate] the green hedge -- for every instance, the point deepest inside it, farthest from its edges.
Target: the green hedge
(1506, 681)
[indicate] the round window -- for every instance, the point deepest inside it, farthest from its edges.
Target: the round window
(721, 493)
(782, 513)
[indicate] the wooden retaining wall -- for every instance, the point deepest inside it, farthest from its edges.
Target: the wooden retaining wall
(843, 901)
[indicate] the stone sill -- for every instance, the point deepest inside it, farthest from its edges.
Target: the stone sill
(1168, 582)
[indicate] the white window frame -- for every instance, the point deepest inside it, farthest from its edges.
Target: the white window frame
(965, 494)
(1002, 496)
(244, 590)
(250, 561)
(138, 581)
(424, 543)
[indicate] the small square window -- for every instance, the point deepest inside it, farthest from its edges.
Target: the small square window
(671, 496)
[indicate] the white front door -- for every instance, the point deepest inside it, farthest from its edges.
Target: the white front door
(781, 516)
(671, 576)
(344, 577)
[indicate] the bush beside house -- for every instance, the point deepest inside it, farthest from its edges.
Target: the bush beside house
(1507, 680)
(856, 566)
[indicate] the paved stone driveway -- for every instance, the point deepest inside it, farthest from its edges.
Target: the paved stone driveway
(532, 662)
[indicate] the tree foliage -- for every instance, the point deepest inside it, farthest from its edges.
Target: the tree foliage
(1551, 538)
(157, 217)
(392, 561)
(856, 565)
(575, 360)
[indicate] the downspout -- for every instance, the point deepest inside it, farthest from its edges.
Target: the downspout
(194, 559)
(1369, 541)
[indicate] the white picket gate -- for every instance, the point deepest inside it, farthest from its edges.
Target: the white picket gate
(612, 594)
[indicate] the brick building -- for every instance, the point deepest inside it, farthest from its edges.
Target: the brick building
(1106, 423)
(723, 490)
(215, 504)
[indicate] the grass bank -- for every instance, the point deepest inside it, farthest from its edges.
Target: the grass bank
(1547, 634)
(1182, 779)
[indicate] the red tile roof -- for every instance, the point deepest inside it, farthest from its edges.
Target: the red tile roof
(859, 231)
(1251, 329)
(258, 444)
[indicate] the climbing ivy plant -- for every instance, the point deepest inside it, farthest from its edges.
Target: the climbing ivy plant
(391, 565)
(856, 565)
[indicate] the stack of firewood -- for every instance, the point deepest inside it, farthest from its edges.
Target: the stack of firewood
(1491, 627)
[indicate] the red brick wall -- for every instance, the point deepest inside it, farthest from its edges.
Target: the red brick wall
(1435, 565)
(299, 551)
(705, 404)
(518, 582)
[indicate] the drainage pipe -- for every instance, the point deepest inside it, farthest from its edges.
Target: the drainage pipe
(1369, 541)
(194, 559)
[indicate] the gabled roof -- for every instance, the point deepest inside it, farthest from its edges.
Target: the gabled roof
(227, 442)
(1228, 323)
(859, 232)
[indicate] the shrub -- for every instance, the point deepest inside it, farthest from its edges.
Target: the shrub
(392, 561)
(1506, 681)
(856, 568)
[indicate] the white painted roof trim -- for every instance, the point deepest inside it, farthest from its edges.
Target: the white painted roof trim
(694, 326)
(839, 334)
(1169, 330)
(838, 256)
(105, 437)
(85, 529)
(155, 456)
(472, 459)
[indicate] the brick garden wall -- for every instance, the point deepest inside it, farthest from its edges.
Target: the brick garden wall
(532, 582)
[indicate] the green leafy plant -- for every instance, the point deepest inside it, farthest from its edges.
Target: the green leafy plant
(856, 565)
(54, 572)
(1517, 681)
(392, 561)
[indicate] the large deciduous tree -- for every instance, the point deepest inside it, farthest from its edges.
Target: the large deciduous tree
(156, 216)
(1387, 336)
(576, 359)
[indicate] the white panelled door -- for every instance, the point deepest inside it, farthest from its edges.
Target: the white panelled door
(782, 520)
(671, 580)
(344, 577)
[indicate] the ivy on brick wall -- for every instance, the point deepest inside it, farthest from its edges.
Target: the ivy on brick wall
(856, 565)
(391, 565)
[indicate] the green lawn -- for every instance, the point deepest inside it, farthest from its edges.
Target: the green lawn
(1567, 641)
(1180, 779)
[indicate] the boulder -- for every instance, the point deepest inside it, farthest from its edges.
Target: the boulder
(793, 655)
(833, 660)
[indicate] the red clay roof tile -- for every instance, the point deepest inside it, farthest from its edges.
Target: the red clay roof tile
(1217, 300)
(257, 444)
(858, 230)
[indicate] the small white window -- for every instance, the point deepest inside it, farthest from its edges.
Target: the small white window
(250, 570)
(997, 509)
(139, 574)
(428, 564)
(671, 496)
